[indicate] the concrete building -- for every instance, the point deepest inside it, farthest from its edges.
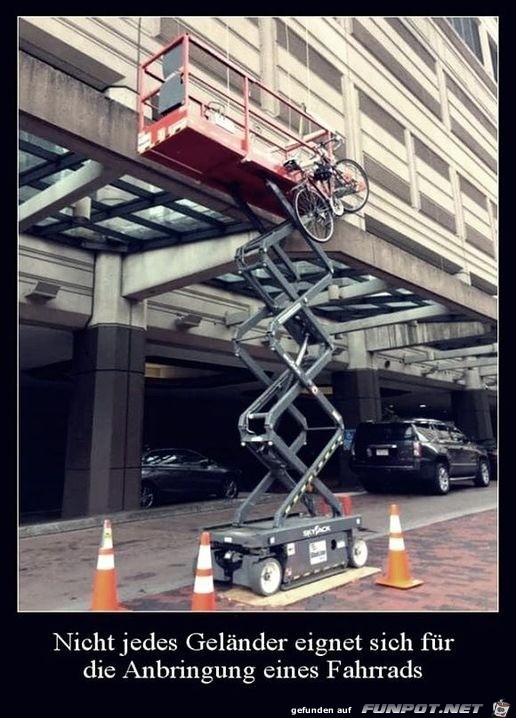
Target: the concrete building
(128, 297)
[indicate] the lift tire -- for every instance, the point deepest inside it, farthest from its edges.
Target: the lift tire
(358, 553)
(265, 576)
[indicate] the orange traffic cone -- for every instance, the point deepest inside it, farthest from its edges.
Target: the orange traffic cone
(105, 596)
(322, 506)
(345, 502)
(398, 571)
(203, 598)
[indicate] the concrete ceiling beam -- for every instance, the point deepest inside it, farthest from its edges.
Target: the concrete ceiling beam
(399, 336)
(392, 318)
(468, 364)
(451, 354)
(65, 192)
(160, 270)
(337, 295)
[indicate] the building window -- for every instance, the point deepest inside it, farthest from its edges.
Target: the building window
(494, 58)
(467, 28)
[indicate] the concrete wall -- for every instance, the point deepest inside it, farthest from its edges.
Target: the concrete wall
(414, 104)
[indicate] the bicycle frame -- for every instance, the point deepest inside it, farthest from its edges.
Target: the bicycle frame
(329, 184)
(322, 186)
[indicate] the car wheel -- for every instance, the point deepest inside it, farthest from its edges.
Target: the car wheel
(148, 496)
(358, 553)
(229, 489)
(265, 576)
(441, 481)
(483, 477)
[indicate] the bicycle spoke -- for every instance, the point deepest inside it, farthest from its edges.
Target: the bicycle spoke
(351, 185)
(314, 214)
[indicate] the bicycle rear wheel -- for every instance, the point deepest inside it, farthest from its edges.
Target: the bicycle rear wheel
(314, 214)
(350, 186)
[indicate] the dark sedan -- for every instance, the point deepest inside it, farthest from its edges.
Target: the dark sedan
(169, 474)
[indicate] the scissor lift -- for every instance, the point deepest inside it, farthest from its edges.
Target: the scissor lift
(290, 547)
(181, 128)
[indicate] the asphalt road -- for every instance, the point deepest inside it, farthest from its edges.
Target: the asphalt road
(156, 554)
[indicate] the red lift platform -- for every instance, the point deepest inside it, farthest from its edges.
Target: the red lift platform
(203, 116)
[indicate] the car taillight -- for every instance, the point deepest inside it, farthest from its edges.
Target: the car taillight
(417, 448)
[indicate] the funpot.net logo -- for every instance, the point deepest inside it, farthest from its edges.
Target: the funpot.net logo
(422, 707)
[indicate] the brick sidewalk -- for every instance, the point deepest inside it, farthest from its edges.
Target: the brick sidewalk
(456, 559)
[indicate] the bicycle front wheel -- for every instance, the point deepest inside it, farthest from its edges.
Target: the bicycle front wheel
(314, 214)
(350, 186)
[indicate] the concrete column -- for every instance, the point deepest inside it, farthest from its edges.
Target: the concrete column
(356, 395)
(443, 91)
(268, 63)
(102, 471)
(471, 411)
(352, 122)
(463, 274)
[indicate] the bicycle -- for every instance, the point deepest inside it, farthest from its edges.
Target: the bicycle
(327, 189)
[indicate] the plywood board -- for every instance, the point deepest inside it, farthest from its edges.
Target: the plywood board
(285, 598)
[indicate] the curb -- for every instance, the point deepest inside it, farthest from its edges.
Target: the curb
(121, 517)
(87, 522)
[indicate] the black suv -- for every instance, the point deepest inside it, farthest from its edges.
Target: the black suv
(431, 452)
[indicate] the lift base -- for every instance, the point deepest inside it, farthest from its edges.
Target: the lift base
(303, 549)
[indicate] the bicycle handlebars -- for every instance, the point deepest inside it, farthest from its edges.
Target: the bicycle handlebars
(335, 139)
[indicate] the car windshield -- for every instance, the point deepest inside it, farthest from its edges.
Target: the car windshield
(384, 432)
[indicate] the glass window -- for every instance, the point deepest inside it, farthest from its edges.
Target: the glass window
(169, 218)
(125, 226)
(443, 432)
(467, 28)
(161, 457)
(425, 432)
(457, 435)
(40, 142)
(140, 183)
(26, 193)
(392, 431)
(189, 457)
(204, 210)
(27, 161)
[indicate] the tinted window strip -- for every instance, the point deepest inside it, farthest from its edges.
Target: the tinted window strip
(437, 213)
(411, 41)
(396, 68)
